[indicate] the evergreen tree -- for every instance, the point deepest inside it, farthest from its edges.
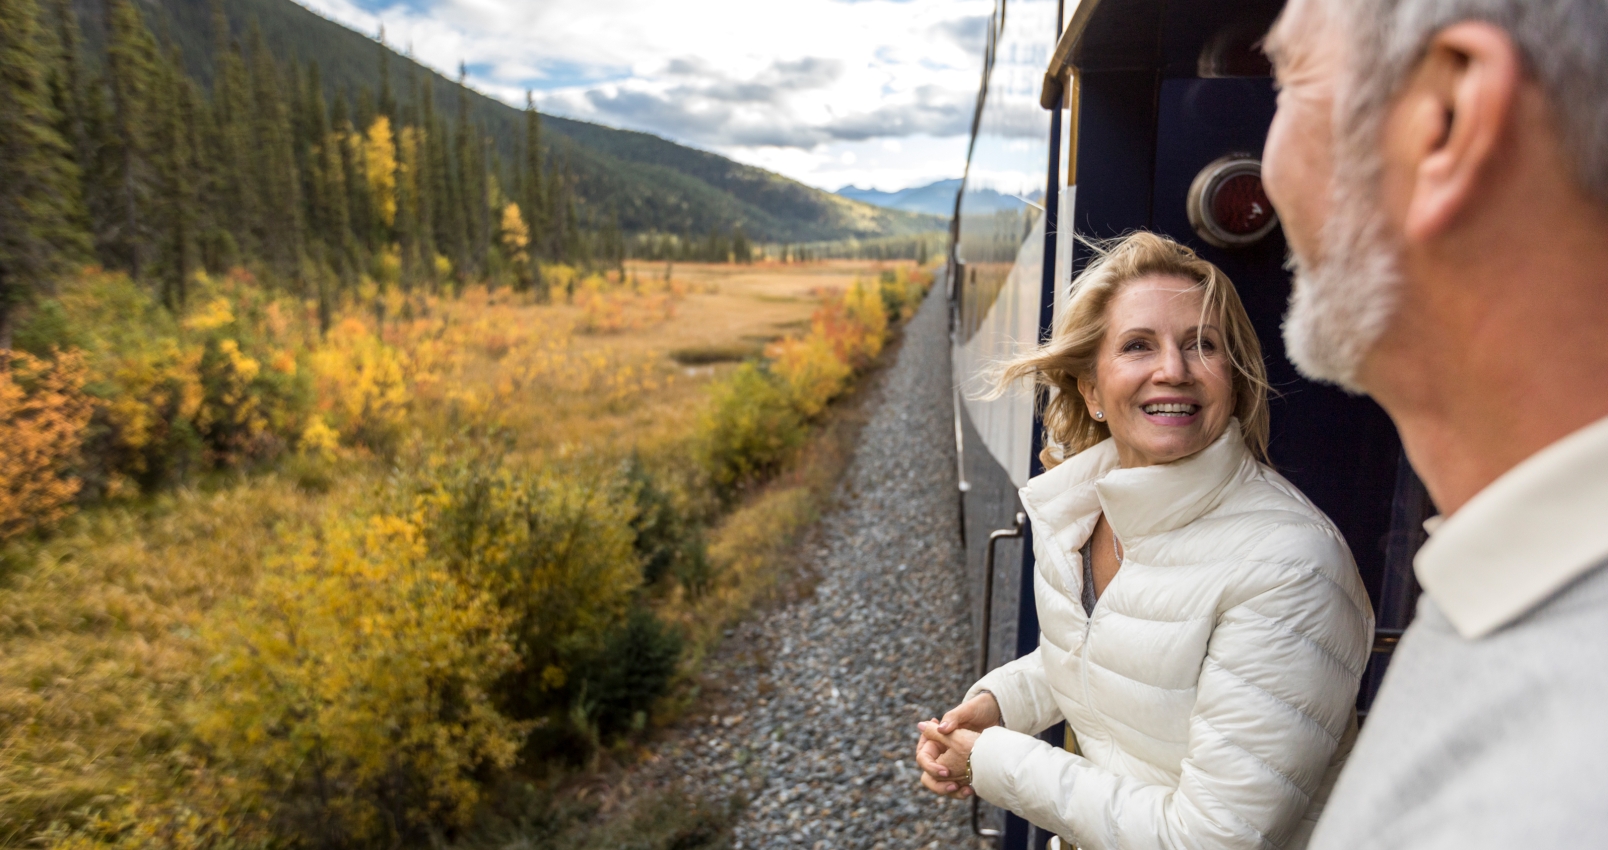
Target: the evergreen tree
(462, 182)
(230, 192)
(274, 163)
(175, 112)
(387, 104)
(437, 191)
(531, 201)
(36, 169)
(68, 97)
(131, 59)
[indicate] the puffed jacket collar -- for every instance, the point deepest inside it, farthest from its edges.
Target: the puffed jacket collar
(1066, 501)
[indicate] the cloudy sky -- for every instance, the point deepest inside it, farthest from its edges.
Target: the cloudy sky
(875, 92)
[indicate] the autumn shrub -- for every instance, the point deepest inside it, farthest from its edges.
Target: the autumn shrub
(669, 537)
(352, 692)
(43, 413)
(855, 322)
(557, 549)
(217, 384)
(749, 429)
(255, 399)
(143, 380)
(362, 386)
(811, 370)
(902, 291)
(560, 280)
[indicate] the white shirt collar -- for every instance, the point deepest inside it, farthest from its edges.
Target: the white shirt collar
(1538, 527)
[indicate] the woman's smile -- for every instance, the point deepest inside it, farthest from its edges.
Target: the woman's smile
(1171, 412)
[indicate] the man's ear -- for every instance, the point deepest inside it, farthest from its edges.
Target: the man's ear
(1451, 120)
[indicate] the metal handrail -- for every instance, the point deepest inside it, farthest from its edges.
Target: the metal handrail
(1385, 640)
(994, 537)
(982, 654)
(962, 485)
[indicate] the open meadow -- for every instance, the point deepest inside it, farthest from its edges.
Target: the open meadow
(273, 573)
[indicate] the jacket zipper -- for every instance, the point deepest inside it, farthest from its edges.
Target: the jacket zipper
(1088, 629)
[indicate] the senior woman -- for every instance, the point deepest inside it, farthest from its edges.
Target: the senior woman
(1203, 624)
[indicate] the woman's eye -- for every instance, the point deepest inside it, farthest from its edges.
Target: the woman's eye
(1135, 345)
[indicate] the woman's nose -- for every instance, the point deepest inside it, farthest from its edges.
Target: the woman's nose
(1174, 368)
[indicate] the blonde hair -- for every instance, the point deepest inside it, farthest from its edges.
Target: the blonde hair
(1075, 343)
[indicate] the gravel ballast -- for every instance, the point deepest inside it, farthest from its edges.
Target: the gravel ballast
(816, 720)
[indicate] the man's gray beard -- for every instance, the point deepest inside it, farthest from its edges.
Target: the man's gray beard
(1340, 306)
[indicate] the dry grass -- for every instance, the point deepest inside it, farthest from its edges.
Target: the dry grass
(97, 661)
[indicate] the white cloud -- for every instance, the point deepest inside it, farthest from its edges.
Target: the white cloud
(788, 86)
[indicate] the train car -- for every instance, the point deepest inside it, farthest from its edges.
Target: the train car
(1098, 118)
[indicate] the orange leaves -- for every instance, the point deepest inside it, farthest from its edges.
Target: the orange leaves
(847, 332)
(855, 323)
(43, 411)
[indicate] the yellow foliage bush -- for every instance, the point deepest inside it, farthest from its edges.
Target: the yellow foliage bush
(855, 323)
(254, 399)
(561, 278)
(218, 384)
(351, 692)
(362, 386)
(811, 370)
(903, 290)
(43, 411)
(749, 430)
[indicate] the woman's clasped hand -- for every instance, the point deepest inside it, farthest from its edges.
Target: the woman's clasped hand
(944, 753)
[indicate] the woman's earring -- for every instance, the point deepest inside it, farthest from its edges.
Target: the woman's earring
(1100, 415)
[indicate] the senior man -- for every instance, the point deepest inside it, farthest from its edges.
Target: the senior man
(1441, 170)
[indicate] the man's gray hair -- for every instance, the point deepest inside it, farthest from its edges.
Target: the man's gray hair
(1564, 44)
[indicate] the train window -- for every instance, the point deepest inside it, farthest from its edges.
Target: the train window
(1228, 206)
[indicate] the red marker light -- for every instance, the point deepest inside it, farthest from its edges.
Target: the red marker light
(1228, 206)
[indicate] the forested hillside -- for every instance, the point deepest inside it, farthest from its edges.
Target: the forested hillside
(650, 183)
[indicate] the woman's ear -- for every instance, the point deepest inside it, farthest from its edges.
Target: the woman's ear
(1090, 393)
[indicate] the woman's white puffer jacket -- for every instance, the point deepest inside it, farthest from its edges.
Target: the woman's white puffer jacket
(1212, 691)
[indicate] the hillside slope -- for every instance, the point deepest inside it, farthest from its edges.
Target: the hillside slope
(652, 183)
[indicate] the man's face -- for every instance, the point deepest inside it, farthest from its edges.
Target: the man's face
(1298, 157)
(1324, 186)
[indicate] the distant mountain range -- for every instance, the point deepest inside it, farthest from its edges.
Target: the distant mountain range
(933, 198)
(649, 182)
